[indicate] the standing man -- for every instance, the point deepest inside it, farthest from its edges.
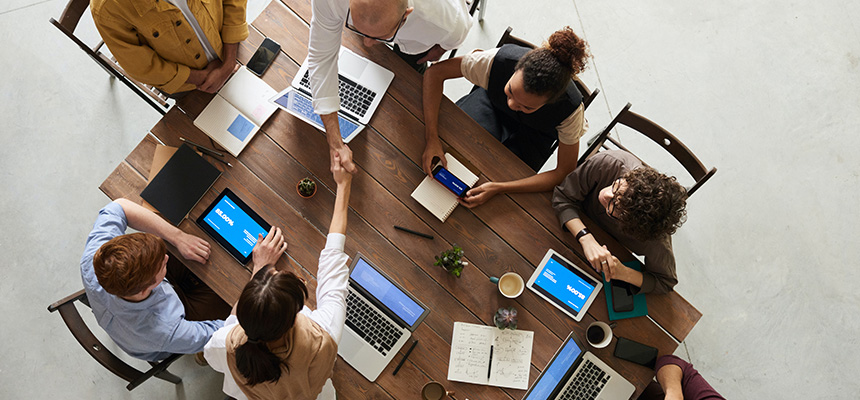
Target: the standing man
(421, 30)
(174, 45)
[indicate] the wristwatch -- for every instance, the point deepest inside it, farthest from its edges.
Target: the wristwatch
(582, 233)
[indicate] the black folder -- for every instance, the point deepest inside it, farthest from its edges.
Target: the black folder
(184, 179)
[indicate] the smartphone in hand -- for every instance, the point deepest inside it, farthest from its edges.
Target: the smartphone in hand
(447, 179)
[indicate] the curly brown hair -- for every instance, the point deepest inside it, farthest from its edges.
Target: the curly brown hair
(126, 265)
(653, 204)
(548, 69)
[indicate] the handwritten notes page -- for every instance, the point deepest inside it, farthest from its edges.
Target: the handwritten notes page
(470, 356)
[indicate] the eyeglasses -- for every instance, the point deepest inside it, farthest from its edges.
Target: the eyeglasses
(610, 208)
(389, 40)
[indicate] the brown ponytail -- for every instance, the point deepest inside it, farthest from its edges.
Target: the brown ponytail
(547, 69)
(266, 310)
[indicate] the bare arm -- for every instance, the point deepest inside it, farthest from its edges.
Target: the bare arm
(669, 377)
(335, 143)
(341, 202)
(189, 246)
(543, 182)
(434, 79)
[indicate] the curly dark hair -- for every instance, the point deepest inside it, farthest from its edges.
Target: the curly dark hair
(652, 205)
(548, 69)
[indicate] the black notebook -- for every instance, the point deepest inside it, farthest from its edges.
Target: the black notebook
(180, 184)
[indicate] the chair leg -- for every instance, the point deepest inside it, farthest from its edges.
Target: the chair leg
(483, 7)
(167, 376)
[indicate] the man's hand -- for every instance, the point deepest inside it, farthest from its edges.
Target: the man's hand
(343, 156)
(268, 249)
(219, 74)
(191, 247)
(340, 174)
(433, 149)
(479, 195)
(597, 255)
(434, 54)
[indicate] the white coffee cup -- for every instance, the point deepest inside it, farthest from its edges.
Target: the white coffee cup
(600, 328)
(511, 284)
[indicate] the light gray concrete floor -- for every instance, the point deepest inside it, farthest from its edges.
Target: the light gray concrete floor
(767, 91)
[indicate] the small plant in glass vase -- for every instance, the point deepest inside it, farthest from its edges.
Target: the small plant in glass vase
(452, 260)
(306, 188)
(506, 318)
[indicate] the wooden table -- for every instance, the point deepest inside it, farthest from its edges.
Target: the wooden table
(508, 233)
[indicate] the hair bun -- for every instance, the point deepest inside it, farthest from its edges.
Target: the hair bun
(570, 50)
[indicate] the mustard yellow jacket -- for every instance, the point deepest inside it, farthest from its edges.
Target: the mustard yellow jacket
(154, 43)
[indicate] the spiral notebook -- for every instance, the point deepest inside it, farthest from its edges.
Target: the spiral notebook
(487, 355)
(435, 197)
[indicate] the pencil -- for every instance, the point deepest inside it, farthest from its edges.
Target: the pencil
(202, 147)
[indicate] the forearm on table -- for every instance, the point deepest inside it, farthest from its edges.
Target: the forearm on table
(431, 93)
(542, 182)
(669, 377)
(147, 221)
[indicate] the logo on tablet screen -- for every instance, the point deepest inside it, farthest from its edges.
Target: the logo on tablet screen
(227, 219)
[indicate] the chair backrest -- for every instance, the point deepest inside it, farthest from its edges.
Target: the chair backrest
(658, 135)
(587, 95)
(99, 352)
(68, 23)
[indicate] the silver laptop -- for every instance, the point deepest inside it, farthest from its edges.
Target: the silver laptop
(380, 317)
(574, 374)
(362, 83)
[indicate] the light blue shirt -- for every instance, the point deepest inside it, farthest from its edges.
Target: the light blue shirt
(151, 329)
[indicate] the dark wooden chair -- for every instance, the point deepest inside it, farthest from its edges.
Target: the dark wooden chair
(660, 136)
(94, 347)
(67, 24)
(588, 96)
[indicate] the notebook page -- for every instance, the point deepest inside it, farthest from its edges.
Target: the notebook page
(512, 355)
(226, 125)
(470, 353)
(250, 95)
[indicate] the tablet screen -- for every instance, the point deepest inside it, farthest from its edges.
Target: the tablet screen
(565, 284)
(233, 225)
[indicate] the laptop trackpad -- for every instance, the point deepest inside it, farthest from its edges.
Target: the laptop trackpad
(349, 345)
(351, 65)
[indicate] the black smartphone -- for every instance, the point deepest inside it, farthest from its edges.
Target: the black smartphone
(636, 352)
(622, 296)
(447, 179)
(263, 57)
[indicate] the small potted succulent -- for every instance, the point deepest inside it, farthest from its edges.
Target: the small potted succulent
(506, 318)
(452, 260)
(306, 188)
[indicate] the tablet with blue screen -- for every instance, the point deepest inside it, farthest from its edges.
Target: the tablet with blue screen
(233, 225)
(565, 285)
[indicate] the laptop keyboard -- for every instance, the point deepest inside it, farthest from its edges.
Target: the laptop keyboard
(353, 97)
(367, 322)
(587, 383)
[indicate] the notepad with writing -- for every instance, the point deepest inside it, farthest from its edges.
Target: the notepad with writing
(435, 197)
(470, 360)
(238, 111)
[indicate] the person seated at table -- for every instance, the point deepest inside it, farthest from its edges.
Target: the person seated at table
(678, 380)
(638, 206)
(421, 31)
(147, 316)
(525, 98)
(274, 347)
(174, 45)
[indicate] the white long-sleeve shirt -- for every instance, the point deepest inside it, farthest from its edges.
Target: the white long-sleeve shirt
(332, 280)
(432, 22)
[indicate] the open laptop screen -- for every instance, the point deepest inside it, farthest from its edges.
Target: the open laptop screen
(554, 372)
(387, 293)
(303, 107)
